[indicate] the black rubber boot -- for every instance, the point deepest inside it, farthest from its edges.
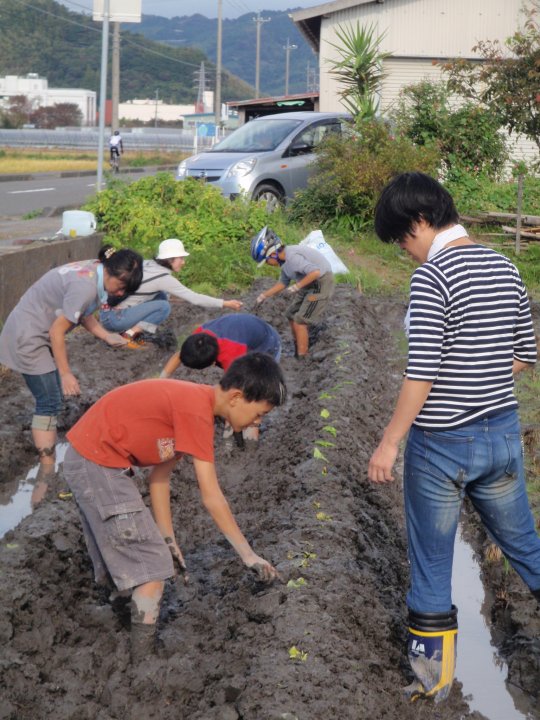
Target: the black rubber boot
(432, 653)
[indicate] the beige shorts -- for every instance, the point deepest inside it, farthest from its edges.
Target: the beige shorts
(310, 302)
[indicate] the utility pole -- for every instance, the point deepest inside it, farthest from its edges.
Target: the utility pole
(217, 95)
(103, 91)
(155, 116)
(288, 47)
(115, 85)
(259, 21)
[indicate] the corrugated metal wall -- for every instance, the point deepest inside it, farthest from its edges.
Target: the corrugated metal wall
(417, 33)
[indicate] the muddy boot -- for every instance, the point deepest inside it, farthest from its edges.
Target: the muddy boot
(432, 653)
(143, 641)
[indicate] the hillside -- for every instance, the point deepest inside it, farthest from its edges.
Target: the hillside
(239, 46)
(65, 47)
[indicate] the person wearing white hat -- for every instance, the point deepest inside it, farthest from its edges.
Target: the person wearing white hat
(144, 310)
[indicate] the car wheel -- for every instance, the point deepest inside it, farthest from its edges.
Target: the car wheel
(271, 195)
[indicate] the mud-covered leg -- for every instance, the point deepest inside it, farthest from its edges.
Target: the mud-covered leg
(145, 602)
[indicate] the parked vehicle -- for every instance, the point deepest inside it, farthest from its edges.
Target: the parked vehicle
(268, 158)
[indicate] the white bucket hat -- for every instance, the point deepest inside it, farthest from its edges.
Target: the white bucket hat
(171, 248)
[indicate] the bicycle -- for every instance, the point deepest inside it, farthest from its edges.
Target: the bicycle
(115, 162)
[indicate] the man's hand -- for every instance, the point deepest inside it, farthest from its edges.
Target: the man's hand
(260, 299)
(293, 289)
(115, 340)
(178, 559)
(381, 463)
(265, 572)
(70, 385)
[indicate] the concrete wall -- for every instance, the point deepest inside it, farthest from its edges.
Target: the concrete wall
(21, 266)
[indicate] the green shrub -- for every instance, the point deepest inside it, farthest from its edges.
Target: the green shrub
(475, 193)
(352, 171)
(215, 230)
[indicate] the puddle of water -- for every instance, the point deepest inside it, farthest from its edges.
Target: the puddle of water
(479, 667)
(24, 498)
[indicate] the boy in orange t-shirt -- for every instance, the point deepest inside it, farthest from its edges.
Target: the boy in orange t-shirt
(153, 423)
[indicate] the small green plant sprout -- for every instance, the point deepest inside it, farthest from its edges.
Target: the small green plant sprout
(295, 584)
(297, 654)
(325, 443)
(330, 429)
(325, 396)
(324, 471)
(341, 384)
(317, 454)
(325, 413)
(323, 517)
(308, 557)
(316, 504)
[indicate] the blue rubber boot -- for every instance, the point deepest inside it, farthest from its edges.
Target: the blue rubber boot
(431, 649)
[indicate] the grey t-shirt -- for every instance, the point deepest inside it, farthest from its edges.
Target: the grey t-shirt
(300, 260)
(68, 290)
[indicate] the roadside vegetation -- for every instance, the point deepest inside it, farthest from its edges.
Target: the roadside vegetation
(37, 160)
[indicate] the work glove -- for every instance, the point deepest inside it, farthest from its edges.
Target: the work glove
(293, 289)
(262, 297)
(178, 559)
(115, 340)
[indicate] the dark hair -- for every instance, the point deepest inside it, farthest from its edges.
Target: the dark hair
(124, 264)
(199, 351)
(166, 262)
(409, 198)
(258, 376)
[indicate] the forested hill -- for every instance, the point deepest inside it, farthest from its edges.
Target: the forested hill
(42, 36)
(239, 46)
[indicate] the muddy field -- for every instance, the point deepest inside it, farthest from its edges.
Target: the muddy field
(326, 645)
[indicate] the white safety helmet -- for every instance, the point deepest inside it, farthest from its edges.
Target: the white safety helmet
(171, 248)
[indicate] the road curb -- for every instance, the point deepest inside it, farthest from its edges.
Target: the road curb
(81, 173)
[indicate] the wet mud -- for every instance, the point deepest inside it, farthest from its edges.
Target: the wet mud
(326, 643)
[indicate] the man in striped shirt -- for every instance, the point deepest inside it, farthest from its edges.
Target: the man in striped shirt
(470, 330)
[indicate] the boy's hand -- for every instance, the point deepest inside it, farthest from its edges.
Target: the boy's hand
(265, 572)
(115, 340)
(178, 559)
(261, 298)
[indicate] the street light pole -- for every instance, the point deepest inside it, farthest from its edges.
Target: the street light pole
(259, 21)
(103, 91)
(217, 98)
(288, 47)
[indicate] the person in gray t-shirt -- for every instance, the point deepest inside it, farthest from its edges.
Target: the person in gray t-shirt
(312, 282)
(33, 339)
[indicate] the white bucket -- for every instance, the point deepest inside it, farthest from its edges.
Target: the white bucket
(78, 222)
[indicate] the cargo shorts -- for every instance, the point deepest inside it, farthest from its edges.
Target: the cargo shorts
(120, 533)
(310, 302)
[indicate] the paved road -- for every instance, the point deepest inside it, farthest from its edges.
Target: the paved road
(50, 190)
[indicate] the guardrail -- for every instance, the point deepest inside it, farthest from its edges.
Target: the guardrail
(88, 139)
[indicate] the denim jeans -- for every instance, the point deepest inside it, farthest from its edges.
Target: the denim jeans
(483, 460)
(47, 391)
(152, 312)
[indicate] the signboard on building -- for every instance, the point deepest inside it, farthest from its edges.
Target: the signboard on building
(119, 10)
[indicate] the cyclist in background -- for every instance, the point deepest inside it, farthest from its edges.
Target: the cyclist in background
(116, 148)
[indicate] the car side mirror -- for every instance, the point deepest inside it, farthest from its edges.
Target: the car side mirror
(300, 148)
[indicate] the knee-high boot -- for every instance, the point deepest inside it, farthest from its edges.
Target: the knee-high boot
(431, 649)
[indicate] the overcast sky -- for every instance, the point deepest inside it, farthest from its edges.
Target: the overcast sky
(231, 8)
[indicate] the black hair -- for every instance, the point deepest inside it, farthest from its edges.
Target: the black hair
(166, 262)
(199, 351)
(124, 264)
(408, 199)
(258, 376)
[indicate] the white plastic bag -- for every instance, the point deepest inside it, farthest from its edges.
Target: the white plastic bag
(316, 240)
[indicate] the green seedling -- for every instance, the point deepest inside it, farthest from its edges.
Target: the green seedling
(323, 516)
(297, 654)
(308, 557)
(324, 471)
(341, 384)
(325, 396)
(316, 504)
(330, 429)
(295, 584)
(317, 454)
(325, 413)
(325, 443)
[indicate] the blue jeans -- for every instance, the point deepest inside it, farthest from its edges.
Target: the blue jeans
(483, 460)
(152, 312)
(47, 391)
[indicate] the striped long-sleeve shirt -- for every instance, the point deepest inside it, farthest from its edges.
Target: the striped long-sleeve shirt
(469, 320)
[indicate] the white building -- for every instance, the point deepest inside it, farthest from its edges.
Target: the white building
(418, 33)
(37, 89)
(150, 109)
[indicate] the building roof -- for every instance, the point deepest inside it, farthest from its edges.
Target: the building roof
(308, 21)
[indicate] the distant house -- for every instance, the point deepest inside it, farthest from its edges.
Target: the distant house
(37, 89)
(418, 33)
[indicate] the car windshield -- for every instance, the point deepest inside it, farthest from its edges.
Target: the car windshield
(257, 136)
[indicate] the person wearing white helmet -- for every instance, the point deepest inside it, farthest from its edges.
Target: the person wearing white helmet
(144, 310)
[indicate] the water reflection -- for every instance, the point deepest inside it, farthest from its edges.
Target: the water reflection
(19, 498)
(480, 668)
